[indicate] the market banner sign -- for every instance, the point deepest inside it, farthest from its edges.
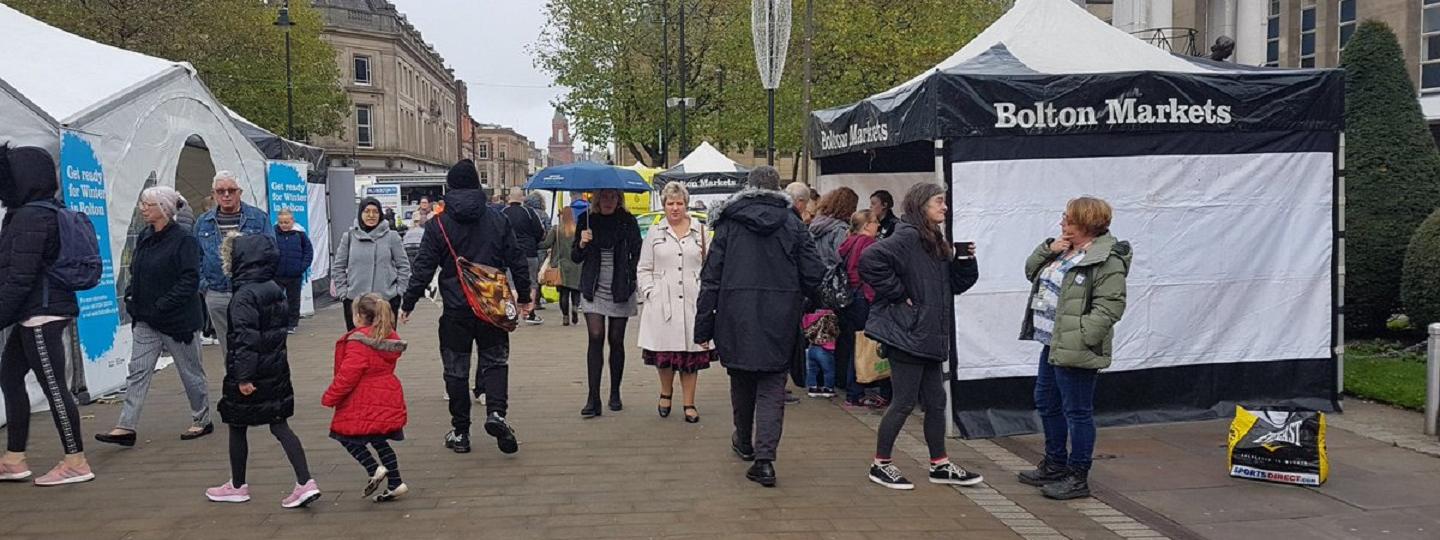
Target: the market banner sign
(288, 189)
(83, 184)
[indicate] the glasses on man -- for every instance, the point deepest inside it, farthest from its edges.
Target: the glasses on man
(226, 191)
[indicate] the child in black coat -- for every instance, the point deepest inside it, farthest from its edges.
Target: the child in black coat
(257, 388)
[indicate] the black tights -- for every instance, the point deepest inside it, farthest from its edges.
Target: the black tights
(361, 453)
(595, 354)
(569, 299)
(240, 452)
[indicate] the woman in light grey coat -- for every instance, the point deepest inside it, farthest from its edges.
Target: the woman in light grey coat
(371, 259)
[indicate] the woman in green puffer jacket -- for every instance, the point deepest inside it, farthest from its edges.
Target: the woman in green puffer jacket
(1077, 295)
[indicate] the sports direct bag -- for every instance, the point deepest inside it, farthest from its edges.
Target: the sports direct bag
(78, 267)
(1280, 445)
(486, 290)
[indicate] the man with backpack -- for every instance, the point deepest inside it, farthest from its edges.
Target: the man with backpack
(45, 256)
(529, 231)
(230, 216)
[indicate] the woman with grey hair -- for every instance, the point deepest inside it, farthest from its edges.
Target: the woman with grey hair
(166, 315)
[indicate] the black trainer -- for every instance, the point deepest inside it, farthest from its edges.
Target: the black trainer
(504, 435)
(1074, 486)
(949, 473)
(1044, 474)
(744, 451)
(458, 442)
(888, 475)
(762, 472)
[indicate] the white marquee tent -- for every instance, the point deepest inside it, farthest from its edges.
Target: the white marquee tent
(138, 111)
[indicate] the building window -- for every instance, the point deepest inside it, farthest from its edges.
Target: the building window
(1430, 46)
(1272, 35)
(1347, 21)
(484, 151)
(485, 178)
(1307, 36)
(364, 127)
(503, 148)
(362, 69)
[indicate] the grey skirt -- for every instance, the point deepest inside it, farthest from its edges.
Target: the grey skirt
(604, 303)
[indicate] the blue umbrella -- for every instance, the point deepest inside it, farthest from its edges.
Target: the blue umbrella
(587, 176)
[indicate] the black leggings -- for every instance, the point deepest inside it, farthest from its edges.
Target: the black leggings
(914, 380)
(361, 453)
(595, 354)
(240, 451)
(569, 298)
(42, 350)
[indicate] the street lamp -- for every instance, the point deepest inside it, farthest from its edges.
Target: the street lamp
(284, 22)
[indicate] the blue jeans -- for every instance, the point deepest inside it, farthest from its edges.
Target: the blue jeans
(820, 367)
(1065, 398)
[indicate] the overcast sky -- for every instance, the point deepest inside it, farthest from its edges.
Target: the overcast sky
(486, 42)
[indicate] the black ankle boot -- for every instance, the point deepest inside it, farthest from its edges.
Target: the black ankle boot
(592, 407)
(1044, 474)
(762, 472)
(1075, 485)
(615, 404)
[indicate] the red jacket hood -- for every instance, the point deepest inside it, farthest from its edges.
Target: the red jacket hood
(388, 349)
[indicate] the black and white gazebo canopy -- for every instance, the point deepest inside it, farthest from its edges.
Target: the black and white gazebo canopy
(1049, 68)
(705, 171)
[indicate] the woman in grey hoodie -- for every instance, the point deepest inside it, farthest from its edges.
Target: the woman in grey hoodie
(371, 259)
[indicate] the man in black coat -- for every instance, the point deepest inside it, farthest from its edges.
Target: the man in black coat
(761, 268)
(481, 236)
(529, 231)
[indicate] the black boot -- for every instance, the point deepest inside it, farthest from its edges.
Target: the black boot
(1044, 474)
(742, 448)
(762, 472)
(592, 407)
(1076, 485)
(615, 404)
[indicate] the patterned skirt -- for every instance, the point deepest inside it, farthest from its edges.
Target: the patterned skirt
(681, 361)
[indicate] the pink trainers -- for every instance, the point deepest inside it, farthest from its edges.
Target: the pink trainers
(14, 473)
(302, 495)
(229, 493)
(64, 474)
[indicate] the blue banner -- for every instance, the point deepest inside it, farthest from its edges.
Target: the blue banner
(82, 181)
(288, 191)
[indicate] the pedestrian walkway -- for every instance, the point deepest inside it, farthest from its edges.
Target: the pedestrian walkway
(633, 474)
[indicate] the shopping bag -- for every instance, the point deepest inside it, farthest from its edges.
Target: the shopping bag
(1282, 445)
(550, 294)
(869, 365)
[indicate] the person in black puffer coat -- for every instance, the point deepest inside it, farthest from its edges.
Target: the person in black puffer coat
(257, 389)
(916, 275)
(761, 268)
(29, 245)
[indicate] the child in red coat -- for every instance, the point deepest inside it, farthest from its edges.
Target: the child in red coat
(368, 399)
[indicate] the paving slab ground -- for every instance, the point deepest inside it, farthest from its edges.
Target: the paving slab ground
(1383, 481)
(633, 474)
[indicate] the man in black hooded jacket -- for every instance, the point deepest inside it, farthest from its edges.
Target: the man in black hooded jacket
(761, 268)
(482, 236)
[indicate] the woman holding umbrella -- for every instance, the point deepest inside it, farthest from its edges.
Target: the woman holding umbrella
(607, 247)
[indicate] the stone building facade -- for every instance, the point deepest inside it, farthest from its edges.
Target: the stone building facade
(406, 104)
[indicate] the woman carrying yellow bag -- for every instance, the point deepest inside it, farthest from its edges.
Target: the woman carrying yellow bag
(559, 243)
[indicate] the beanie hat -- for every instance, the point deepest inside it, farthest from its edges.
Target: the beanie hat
(463, 176)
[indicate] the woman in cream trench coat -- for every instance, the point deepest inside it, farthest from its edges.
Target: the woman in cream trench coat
(669, 283)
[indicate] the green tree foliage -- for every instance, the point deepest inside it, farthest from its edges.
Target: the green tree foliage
(233, 44)
(1392, 174)
(609, 57)
(1420, 286)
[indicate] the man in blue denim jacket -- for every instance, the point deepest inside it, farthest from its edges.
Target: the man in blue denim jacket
(229, 216)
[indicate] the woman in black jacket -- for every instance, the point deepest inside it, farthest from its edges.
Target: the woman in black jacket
(607, 245)
(37, 312)
(257, 389)
(916, 275)
(166, 315)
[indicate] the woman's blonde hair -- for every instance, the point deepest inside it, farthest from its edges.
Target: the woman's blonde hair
(674, 189)
(1089, 213)
(567, 221)
(859, 220)
(376, 311)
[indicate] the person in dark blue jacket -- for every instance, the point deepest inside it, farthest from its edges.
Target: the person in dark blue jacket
(295, 256)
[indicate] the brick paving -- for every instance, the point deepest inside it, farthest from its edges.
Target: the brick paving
(627, 474)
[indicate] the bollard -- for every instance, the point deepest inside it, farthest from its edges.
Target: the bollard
(1432, 381)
